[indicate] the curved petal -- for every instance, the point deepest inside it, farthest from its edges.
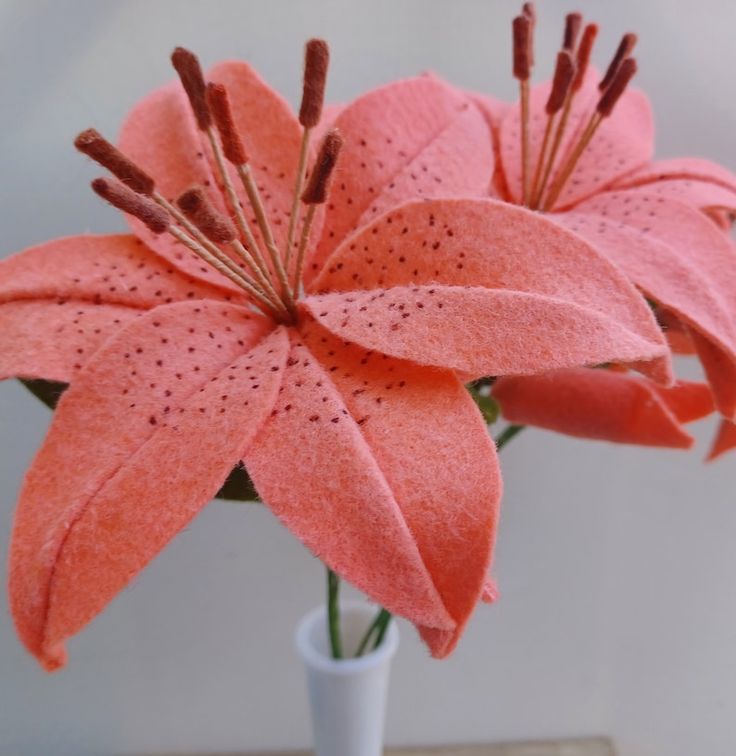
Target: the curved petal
(405, 504)
(605, 405)
(160, 134)
(680, 169)
(61, 300)
(447, 151)
(131, 410)
(622, 143)
(486, 243)
(677, 256)
(724, 441)
(477, 331)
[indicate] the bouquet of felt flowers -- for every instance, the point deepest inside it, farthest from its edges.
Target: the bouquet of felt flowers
(327, 310)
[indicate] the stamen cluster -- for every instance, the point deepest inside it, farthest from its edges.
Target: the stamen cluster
(539, 189)
(271, 276)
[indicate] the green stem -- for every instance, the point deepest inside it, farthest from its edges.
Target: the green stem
(507, 434)
(333, 614)
(378, 626)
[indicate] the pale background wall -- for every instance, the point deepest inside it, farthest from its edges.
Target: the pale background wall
(617, 565)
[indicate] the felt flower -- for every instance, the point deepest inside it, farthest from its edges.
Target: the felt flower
(578, 150)
(606, 404)
(219, 334)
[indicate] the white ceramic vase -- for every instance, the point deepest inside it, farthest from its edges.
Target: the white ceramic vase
(347, 697)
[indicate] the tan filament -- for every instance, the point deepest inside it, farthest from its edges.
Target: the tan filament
(522, 33)
(564, 72)
(605, 107)
(316, 63)
(316, 192)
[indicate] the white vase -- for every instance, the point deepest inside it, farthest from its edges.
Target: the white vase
(347, 696)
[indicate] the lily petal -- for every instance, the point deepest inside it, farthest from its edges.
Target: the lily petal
(389, 510)
(623, 142)
(508, 249)
(446, 152)
(478, 331)
(82, 529)
(605, 405)
(724, 441)
(61, 300)
(696, 180)
(679, 258)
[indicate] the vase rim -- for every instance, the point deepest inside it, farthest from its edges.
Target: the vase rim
(315, 658)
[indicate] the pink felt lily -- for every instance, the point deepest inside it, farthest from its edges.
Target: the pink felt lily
(578, 150)
(188, 348)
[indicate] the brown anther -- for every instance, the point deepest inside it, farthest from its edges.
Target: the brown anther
(316, 60)
(187, 66)
(95, 146)
(198, 209)
(564, 72)
(316, 191)
(625, 46)
(522, 47)
(573, 22)
(583, 55)
(232, 144)
(125, 199)
(611, 96)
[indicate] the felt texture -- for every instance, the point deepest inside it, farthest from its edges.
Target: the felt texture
(606, 405)
(623, 142)
(695, 170)
(558, 294)
(61, 300)
(681, 260)
(405, 510)
(160, 135)
(96, 483)
(73, 547)
(724, 441)
(417, 137)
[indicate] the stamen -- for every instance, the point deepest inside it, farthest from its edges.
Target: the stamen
(625, 47)
(195, 205)
(605, 106)
(219, 103)
(125, 199)
(316, 192)
(564, 72)
(187, 66)
(611, 96)
(316, 61)
(583, 56)
(95, 146)
(522, 35)
(573, 21)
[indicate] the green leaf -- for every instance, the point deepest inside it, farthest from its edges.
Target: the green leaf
(488, 406)
(237, 487)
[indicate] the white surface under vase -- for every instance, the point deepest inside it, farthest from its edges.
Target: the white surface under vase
(347, 697)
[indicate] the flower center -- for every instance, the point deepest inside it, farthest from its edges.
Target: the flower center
(271, 276)
(541, 186)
